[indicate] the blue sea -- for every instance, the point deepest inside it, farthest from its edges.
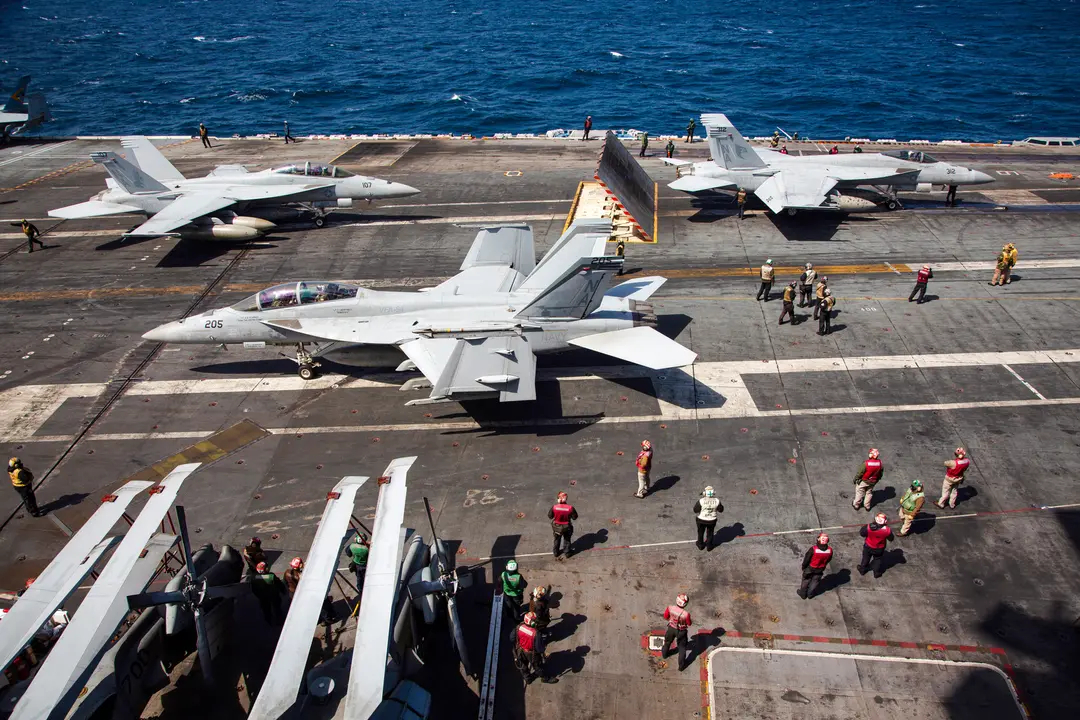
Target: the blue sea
(965, 69)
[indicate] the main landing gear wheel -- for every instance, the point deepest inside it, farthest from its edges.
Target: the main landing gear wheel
(320, 222)
(892, 204)
(307, 372)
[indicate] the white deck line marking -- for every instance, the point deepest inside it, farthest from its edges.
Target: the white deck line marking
(890, 266)
(67, 234)
(34, 153)
(1025, 382)
(858, 656)
(469, 204)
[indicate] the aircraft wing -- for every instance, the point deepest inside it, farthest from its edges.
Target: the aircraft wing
(640, 345)
(481, 279)
(180, 212)
(788, 189)
(93, 208)
(677, 162)
(699, 183)
(282, 681)
(482, 366)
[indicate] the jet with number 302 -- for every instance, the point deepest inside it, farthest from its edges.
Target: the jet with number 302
(850, 182)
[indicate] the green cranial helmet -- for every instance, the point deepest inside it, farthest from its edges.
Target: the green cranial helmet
(511, 566)
(916, 485)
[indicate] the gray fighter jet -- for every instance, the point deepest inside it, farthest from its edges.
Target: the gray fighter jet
(21, 111)
(208, 207)
(474, 336)
(813, 182)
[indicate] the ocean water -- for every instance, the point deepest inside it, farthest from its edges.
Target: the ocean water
(965, 69)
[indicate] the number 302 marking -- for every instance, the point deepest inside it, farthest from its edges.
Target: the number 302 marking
(213, 324)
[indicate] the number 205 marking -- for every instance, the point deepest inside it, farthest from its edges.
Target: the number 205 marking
(213, 324)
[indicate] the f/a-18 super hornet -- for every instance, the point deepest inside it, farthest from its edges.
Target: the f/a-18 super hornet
(21, 111)
(209, 207)
(813, 182)
(474, 336)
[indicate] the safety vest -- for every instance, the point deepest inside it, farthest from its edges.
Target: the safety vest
(820, 292)
(767, 273)
(820, 558)
(562, 513)
(512, 584)
(358, 553)
(828, 301)
(678, 618)
(526, 637)
(923, 276)
(957, 473)
(875, 539)
(789, 294)
(740, 197)
(811, 276)
(644, 460)
(708, 509)
(911, 500)
(872, 471)
(19, 477)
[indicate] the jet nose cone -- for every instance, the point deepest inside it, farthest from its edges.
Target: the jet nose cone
(396, 189)
(979, 178)
(169, 332)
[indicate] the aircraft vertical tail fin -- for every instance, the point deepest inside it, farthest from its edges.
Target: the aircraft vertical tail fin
(728, 147)
(17, 102)
(130, 178)
(149, 159)
(586, 238)
(576, 292)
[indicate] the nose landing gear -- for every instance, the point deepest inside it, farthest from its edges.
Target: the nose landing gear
(307, 366)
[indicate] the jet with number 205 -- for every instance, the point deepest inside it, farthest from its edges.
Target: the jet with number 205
(474, 336)
(208, 208)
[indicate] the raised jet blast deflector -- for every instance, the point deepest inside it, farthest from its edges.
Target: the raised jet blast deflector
(628, 183)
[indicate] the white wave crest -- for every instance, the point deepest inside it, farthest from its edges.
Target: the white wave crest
(615, 54)
(185, 101)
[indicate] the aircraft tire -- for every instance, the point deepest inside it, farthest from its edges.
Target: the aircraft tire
(320, 221)
(892, 205)
(306, 372)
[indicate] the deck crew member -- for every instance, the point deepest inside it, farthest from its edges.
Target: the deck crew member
(954, 475)
(783, 150)
(1001, 267)
(540, 607)
(23, 482)
(357, 551)
(806, 285)
(767, 274)
(253, 554)
(740, 200)
(678, 622)
(950, 196)
(513, 587)
(268, 589)
(529, 651)
(291, 578)
(825, 318)
(204, 135)
(644, 144)
(911, 505)
(33, 235)
(876, 534)
(690, 130)
(288, 135)
(819, 294)
(924, 276)
(834, 150)
(670, 148)
(1012, 257)
(789, 303)
(706, 510)
(588, 127)
(644, 468)
(814, 563)
(866, 478)
(562, 515)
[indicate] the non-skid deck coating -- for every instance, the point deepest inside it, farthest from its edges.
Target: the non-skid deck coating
(775, 417)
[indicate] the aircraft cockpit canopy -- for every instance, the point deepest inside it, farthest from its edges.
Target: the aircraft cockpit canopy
(917, 156)
(299, 293)
(310, 169)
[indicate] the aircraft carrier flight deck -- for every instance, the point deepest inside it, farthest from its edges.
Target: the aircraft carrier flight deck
(976, 603)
